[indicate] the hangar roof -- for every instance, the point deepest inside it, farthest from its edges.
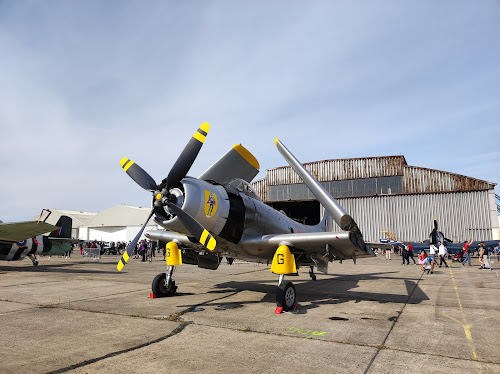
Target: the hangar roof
(120, 215)
(413, 179)
(79, 218)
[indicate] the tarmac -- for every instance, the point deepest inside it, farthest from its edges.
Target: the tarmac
(378, 316)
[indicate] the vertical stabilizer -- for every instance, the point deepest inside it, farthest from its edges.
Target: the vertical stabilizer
(65, 225)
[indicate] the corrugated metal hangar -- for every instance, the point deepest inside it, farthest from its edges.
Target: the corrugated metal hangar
(387, 194)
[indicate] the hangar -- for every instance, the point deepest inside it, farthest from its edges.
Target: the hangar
(119, 223)
(385, 194)
(79, 219)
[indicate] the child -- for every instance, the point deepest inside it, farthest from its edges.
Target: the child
(428, 265)
(421, 257)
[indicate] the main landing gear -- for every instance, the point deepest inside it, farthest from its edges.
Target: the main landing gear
(163, 284)
(284, 263)
(286, 296)
(311, 273)
(33, 260)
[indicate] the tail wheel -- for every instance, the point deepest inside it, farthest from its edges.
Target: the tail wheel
(286, 296)
(160, 289)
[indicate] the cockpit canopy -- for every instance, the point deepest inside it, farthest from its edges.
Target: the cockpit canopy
(244, 187)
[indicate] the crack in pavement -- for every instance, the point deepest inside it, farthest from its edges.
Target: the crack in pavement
(382, 346)
(174, 332)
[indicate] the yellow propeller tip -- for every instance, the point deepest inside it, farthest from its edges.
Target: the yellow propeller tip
(205, 126)
(276, 140)
(123, 161)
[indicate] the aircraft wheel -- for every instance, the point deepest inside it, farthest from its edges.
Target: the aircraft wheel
(35, 263)
(312, 275)
(160, 289)
(286, 296)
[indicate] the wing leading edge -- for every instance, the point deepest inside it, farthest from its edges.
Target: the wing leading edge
(341, 244)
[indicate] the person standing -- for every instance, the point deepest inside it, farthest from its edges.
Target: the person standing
(143, 250)
(387, 253)
(484, 255)
(410, 254)
(466, 254)
(404, 254)
(442, 254)
(432, 252)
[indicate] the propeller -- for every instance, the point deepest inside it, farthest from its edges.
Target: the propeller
(162, 195)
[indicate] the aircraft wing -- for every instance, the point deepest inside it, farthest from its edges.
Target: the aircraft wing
(170, 236)
(341, 244)
(379, 245)
(18, 231)
(238, 162)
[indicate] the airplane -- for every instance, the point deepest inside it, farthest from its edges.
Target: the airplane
(220, 215)
(437, 236)
(24, 239)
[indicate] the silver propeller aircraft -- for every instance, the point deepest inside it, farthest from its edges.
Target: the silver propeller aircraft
(219, 215)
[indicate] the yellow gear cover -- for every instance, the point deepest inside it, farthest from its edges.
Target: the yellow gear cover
(173, 254)
(283, 261)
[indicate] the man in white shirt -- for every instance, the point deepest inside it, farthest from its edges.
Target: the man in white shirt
(442, 254)
(432, 252)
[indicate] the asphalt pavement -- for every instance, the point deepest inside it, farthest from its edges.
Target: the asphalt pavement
(378, 316)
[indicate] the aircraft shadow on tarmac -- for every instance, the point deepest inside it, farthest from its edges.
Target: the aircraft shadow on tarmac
(336, 290)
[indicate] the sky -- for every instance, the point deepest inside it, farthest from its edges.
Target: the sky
(84, 83)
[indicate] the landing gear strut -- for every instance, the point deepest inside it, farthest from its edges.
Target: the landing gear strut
(311, 273)
(163, 284)
(33, 260)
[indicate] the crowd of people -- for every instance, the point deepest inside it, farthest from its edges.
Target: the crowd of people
(145, 249)
(429, 260)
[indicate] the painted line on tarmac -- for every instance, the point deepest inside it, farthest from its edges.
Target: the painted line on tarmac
(382, 346)
(466, 326)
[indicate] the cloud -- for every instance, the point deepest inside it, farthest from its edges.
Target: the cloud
(86, 83)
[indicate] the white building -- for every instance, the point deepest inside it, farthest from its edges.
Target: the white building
(120, 223)
(79, 218)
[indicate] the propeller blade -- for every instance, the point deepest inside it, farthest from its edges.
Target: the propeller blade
(138, 174)
(197, 230)
(132, 244)
(435, 224)
(187, 157)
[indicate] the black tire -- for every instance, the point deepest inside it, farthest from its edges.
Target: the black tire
(286, 296)
(106, 252)
(35, 263)
(160, 289)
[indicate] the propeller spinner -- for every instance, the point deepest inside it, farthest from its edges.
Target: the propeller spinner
(162, 192)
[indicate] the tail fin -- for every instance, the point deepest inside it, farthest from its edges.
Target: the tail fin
(326, 220)
(66, 224)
